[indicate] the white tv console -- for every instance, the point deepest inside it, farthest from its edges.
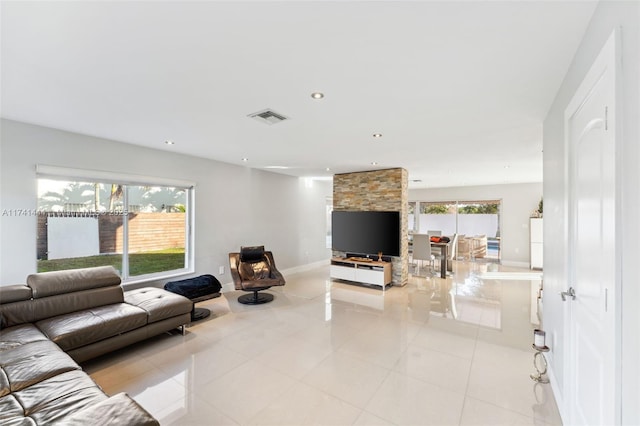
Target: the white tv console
(362, 271)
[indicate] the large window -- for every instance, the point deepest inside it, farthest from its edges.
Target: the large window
(439, 216)
(328, 210)
(141, 230)
(479, 217)
(470, 218)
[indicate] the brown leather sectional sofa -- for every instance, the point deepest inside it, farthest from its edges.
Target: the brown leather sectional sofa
(60, 318)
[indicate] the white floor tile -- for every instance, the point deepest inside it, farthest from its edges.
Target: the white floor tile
(327, 352)
(503, 384)
(406, 401)
(154, 390)
(193, 411)
(368, 419)
(198, 368)
(295, 357)
(438, 368)
(349, 378)
(245, 391)
(304, 405)
(441, 341)
(479, 413)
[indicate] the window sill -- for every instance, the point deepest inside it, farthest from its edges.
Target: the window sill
(160, 276)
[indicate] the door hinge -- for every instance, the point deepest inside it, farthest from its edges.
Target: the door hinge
(606, 118)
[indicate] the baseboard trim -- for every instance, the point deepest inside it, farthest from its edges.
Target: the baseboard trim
(515, 263)
(553, 381)
(306, 267)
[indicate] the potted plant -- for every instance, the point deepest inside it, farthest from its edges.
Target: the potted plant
(538, 211)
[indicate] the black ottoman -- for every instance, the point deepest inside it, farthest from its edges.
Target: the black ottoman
(196, 289)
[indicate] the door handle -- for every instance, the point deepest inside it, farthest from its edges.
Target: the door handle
(571, 293)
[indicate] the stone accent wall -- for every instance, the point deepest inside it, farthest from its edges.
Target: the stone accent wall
(377, 190)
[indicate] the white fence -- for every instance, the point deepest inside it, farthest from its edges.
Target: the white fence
(468, 224)
(72, 237)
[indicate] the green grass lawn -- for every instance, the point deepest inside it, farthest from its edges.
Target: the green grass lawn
(139, 263)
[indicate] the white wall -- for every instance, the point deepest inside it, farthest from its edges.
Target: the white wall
(518, 201)
(234, 205)
(608, 15)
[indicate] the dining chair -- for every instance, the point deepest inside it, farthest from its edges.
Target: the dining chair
(452, 252)
(464, 247)
(422, 251)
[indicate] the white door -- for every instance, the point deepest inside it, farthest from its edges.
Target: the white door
(591, 338)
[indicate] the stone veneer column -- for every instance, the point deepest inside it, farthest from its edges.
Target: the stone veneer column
(377, 190)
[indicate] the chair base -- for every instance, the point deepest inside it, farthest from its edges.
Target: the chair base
(200, 313)
(255, 298)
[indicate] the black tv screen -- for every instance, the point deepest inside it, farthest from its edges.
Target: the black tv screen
(365, 232)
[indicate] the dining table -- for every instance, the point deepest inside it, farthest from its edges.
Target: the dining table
(444, 254)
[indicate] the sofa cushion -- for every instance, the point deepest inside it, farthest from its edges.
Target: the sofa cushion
(34, 362)
(15, 313)
(158, 303)
(11, 412)
(19, 335)
(14, 293)
(9, 295)
(5, 386)
(20, 421)
(118, 410)
(46, 284)
(61, 304)
(81, 328)
(51, 400)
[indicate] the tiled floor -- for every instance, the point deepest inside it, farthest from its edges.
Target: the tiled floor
(332, 353)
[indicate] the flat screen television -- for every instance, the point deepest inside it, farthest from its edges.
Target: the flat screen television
(366, 232)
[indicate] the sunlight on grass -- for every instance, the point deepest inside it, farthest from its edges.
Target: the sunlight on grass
(139, 263)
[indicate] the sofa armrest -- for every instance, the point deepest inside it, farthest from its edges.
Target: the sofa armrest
(118, 410)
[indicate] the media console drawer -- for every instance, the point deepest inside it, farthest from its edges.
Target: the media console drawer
(376, 273)
(370, 276)
(343, 272)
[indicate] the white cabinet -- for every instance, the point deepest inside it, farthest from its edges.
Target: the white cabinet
(343, 272)
(535, 238)
(377, 273)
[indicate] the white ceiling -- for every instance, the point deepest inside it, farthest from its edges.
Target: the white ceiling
(459, 90)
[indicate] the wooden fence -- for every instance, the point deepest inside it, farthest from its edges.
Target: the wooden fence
(147, 231)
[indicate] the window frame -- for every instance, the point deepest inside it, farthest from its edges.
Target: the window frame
(127, 180)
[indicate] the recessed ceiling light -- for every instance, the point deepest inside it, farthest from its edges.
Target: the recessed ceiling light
(506, 167)
(276, 167)
(245, 159)
(317, 95)
(377, 135)
(328, 169)
(168, 142)
(373, 163)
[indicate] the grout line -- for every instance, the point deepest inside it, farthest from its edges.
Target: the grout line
(466, 389)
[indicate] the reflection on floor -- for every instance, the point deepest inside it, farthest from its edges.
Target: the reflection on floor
(441, 352)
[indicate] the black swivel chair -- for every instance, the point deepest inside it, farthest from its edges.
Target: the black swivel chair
(253, 269)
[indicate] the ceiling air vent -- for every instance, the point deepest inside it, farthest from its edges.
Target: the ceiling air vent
(268, 116)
